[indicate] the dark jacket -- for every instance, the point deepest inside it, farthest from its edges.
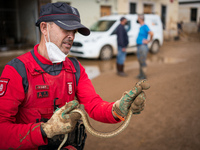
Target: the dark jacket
(122, 37)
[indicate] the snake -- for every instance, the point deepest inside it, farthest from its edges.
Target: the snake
(113, 133)
(96, 133)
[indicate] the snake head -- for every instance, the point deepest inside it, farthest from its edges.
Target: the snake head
(144, 84)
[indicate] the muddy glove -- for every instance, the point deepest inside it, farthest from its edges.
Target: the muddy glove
(133, 99)
(62, 121)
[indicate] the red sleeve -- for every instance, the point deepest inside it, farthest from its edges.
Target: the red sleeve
(94, 105)
(12, 135)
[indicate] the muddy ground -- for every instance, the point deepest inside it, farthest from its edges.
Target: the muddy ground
(171, 119)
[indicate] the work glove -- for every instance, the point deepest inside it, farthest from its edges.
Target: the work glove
(134, 99)
(62, 122)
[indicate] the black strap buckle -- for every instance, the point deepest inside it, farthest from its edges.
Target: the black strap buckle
(54, 104)
(81, 135)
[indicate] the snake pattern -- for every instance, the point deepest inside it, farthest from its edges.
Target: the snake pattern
(140, 86)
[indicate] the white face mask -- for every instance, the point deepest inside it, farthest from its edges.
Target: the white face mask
(54, 53)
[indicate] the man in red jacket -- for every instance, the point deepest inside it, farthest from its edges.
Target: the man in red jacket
(37, 89)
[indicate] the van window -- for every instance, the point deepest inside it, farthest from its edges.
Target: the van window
(102, 25)
(127, 27)
(154, 22)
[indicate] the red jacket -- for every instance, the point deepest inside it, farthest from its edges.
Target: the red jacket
(20, 108)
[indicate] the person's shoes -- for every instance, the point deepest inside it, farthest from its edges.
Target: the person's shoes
(142, 77)
(139, 76)
(120, 70)
(142, 74)
(123, 74)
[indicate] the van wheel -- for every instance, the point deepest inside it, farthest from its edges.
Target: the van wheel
(106, 53)
(155, 47)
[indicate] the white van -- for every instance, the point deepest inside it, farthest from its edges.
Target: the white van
(102, 41)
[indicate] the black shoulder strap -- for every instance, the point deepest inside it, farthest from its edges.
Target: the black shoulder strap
(77, 67)
(20, 68)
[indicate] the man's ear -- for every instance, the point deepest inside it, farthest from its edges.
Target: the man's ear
(43, 28)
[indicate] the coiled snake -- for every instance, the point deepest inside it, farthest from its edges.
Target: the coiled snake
(140, 86)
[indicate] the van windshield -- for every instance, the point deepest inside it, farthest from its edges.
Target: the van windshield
(102, 25)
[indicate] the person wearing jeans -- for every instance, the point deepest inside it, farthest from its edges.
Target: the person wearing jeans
(122, 42)
(142, 47)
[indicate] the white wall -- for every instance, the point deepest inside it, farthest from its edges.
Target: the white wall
(172, 14)
(184, 15)
(184, 12)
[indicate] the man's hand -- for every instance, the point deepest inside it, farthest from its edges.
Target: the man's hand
(123, 49)
(62, 121)
(133, 99)
(145, 41)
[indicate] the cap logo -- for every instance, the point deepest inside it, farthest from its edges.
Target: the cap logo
(74, 11)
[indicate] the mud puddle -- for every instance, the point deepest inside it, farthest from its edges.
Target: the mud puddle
(95, 68)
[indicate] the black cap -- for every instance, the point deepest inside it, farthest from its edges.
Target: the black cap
(122, 18)
(63, 15)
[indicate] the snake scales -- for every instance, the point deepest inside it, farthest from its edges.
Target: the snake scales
(140, 86)
(96, 133)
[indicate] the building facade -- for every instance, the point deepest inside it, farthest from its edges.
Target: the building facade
(92, 10)
(18, 17)
(189, 15)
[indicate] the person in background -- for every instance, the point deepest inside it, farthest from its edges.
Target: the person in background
(38, 88)
(122, 43)
(142, 47)
(180, 28)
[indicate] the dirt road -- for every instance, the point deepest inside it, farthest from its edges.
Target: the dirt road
(171, 119)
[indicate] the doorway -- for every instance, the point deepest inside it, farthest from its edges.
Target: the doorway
(148, 9)
(163, 15)
(105, 10)
(17, 23)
